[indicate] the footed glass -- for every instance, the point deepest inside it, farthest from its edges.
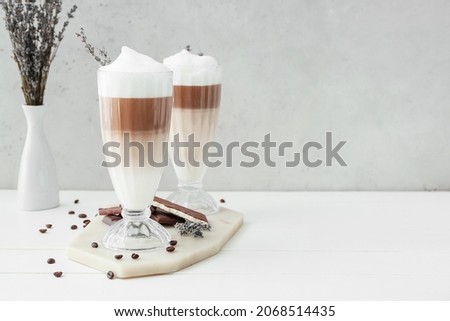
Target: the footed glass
(135, 110)
(195, 115)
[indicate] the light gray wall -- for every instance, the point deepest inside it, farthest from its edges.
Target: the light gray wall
(375, 73)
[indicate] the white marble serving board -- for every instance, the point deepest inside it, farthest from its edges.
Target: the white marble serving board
(188, 251)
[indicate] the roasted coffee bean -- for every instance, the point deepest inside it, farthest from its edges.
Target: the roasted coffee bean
(43, 230)
(118, 256)
(73, 227)
(48, 225)
(86, 221)
(71, 212)
(51, 261)
(134, 256)
(222, 200)
(58, 274)
(110, 275)
(94, 245)
(173, 242)
(76, 201)
(82, 215)
(170, 248)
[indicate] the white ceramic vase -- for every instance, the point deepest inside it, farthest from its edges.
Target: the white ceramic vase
(37, 188)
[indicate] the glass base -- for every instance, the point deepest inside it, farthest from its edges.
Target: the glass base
(195, 198)
(136, 232)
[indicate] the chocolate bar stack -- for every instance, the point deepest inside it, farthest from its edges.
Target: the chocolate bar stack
(162, 211)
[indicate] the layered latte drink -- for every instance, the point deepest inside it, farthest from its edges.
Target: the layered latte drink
(135, 97)
(196, 93)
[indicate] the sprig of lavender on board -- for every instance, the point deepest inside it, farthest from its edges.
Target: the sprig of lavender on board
(102, 57)
(32, 29)
(192, 228)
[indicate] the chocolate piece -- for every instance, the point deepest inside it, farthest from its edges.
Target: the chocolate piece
(43, 230)
(57, 274)
(51, 261)
(134, 256)
(166, 219)
(94, 245)
(76, 201)
(48, 225)
(173, 242)
(180, 211)
(82, 215)
(170, 248)
(73, 227)
(114, 210)
(111, 219)
(71, 212)
(118, 256)
(222, 200)
(110, 275)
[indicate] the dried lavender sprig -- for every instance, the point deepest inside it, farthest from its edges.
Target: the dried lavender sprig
(32, 29)
(102, 57)
(60, 36)
(192, 228)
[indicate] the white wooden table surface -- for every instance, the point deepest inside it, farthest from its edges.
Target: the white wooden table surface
(293, 246)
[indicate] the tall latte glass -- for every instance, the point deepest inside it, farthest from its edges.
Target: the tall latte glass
(135, 97)
(197, 91)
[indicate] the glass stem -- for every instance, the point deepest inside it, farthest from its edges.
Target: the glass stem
(135, 215)
(190, 187)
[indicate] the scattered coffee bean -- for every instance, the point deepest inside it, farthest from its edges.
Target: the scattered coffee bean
(222, 200)
(134, 256)
(48, 225)
(51, 261)
(86, 221)
(110, 275)
(170, 248)
(73, 227)
(76, 201)
(43, 230)
(94, 245)
(118, 256)
(58, 274)
(173, 242)
(71, 212)
(82, 215)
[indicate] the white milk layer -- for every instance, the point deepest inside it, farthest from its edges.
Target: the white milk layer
(200, 122)
(133, 75)
(136, 185)
(193, 70)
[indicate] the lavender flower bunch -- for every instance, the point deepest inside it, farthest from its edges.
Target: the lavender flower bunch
(32, 28)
